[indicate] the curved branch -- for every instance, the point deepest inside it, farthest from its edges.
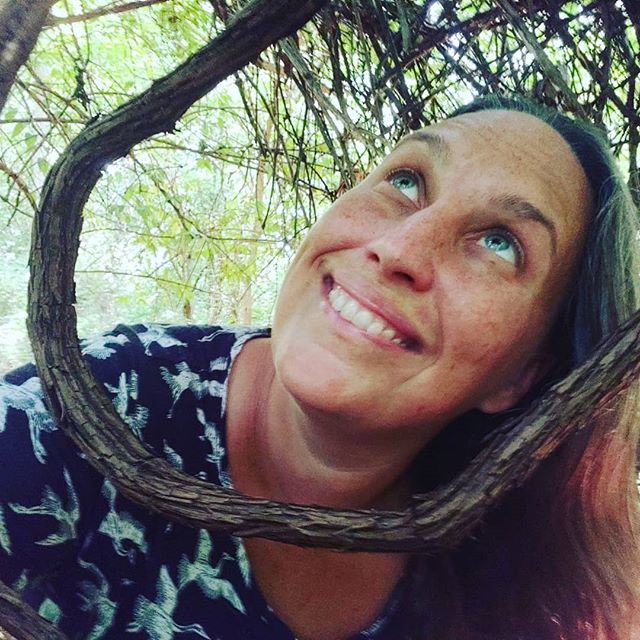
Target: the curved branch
(54, 21)
(82, 407)
(22, 621)
(434, 522)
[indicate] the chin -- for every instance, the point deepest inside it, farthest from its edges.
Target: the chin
(319, 382)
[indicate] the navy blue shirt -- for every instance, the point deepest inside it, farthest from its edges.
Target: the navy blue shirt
(98, 565)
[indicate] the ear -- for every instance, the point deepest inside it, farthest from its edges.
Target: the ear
(510, 394)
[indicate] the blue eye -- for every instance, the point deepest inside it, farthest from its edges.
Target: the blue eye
(503, 244)
(407, 182)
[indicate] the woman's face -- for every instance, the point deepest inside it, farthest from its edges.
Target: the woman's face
(430, 288)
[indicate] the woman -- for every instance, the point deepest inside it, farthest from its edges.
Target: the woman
(482, 259)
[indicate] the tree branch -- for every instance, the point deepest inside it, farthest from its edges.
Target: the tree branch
(84, 410)
(20, 24)
(54, 21)
(19, 182)
(74, 175)
(22, 621)
(547, 66)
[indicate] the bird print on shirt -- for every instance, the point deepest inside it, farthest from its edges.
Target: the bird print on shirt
(67, 515)
(99, 347)
(126, 391)
(205, 575)
(95, 599)
(157, 334)
(50, 611)
(156, 617)
(127, 535)
(212, 436)
(5, 541)
(172, 456)
(28, 399)
(187, 380)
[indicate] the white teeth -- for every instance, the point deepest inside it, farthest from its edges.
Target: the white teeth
(388, 334)
(338, 298)
(349, 310)
(375, 328)
(362, 318)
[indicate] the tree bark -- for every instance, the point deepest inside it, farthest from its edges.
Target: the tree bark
(53, 21)
(83, 409)
(20, 24)
(22, 621)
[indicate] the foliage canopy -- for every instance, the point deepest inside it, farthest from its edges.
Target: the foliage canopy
(199, 224)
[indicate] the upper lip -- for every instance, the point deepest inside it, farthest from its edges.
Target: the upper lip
(371, 299)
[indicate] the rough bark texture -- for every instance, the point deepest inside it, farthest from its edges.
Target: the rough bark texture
(22, 621)
(83, 409)
(20, 24)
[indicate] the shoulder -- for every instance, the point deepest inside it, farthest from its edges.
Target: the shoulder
(147, 347)
(169, 385)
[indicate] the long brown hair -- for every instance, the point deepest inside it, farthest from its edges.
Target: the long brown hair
(559, 559)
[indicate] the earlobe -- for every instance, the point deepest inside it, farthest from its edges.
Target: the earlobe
(509, 395)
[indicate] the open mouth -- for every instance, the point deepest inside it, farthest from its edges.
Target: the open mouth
(352, 311)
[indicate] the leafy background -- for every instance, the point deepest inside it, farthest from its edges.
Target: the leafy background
(198, 225)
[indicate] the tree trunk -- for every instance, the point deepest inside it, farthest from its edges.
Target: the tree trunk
(20, 24)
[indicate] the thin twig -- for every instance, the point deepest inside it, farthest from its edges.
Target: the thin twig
(54, 21)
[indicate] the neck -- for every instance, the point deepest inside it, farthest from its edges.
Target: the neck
(283, 451)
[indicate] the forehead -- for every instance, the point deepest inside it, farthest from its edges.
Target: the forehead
(491, 129)
(511, 135)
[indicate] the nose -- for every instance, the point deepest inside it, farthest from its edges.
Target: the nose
(405, 252)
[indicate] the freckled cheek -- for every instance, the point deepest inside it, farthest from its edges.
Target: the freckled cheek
(341, 226)
(489, 339)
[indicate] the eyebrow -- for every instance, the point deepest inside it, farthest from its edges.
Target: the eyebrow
(436, 143)
(521, 208)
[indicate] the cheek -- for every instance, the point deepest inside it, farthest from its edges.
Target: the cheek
(297, 282)
(334, 231)
(494, 333)
(352, 220)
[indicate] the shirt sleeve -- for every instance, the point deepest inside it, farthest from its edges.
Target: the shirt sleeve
(166, 383)
(47, 487)
(40, 476)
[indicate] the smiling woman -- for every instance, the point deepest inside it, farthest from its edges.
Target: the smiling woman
(479, 262)
(452, 253)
